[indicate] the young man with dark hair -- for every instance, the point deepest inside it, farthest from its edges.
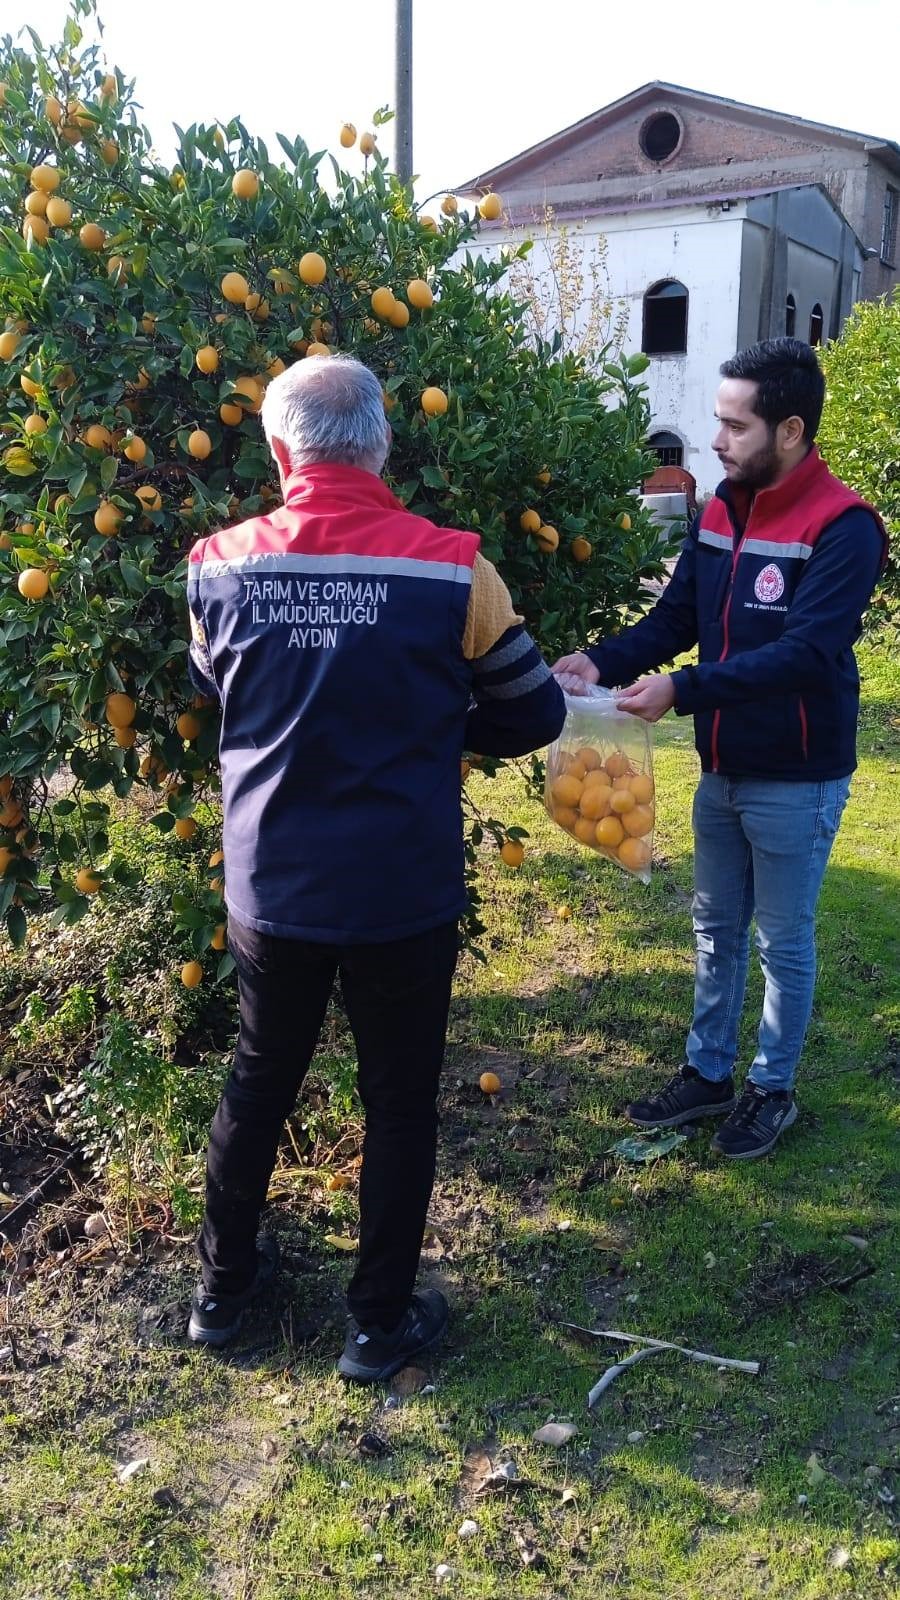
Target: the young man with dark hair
(772, 582)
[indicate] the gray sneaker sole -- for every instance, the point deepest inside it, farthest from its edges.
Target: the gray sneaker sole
(754, 1155)
(721, 1108)
(217, 1337)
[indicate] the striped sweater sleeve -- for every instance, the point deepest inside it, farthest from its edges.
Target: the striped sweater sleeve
(518, 704)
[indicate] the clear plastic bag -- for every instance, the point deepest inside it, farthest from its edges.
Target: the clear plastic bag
(600, 785)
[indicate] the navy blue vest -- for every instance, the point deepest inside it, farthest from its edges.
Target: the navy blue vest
(334, 630)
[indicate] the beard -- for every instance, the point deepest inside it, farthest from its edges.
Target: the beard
(759, 470)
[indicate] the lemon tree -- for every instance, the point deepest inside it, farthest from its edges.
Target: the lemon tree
(143, 309)
(860, 432)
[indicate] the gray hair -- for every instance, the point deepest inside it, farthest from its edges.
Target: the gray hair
(328, 408)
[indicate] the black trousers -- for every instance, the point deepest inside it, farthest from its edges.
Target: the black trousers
(397, 997)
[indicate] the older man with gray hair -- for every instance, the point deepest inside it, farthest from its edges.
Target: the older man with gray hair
(356, 650)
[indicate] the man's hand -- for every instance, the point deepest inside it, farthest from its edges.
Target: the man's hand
(649, 698)
(576, 673)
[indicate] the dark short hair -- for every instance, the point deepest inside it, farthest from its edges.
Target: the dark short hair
(789, 380)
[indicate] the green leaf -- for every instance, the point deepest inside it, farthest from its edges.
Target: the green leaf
(656, 1144)
(17, 925)
(108, 470)
(192, 917)
(98, 774)
(134, 578)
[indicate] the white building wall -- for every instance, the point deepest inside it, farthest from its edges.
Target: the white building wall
(704, 253)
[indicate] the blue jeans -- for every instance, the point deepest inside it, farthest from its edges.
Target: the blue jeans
(761, 847)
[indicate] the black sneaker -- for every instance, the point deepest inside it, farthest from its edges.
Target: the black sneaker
(758, 1121)
(684, 1098)
(215, 1318)
(371, 1355)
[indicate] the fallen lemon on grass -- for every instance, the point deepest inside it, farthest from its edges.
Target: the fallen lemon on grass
(489, 1083)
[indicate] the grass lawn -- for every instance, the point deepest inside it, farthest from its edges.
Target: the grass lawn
(266, 1479)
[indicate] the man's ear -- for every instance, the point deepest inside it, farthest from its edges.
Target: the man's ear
(280, 452)
(793, 432)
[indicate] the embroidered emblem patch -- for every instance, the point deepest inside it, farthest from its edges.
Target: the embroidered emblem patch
(769, 586)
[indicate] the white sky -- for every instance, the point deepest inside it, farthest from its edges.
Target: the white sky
(491, 77)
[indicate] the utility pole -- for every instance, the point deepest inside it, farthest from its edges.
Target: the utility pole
(403, 143)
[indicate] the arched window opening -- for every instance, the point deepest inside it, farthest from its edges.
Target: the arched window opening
(816, 324)
(665, 319)
(668, 447)
(790, 317)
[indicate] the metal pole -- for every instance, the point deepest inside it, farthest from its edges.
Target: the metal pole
(403, 152)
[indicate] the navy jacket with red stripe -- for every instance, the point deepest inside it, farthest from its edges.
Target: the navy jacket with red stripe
(332, 634)
(773, 591)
